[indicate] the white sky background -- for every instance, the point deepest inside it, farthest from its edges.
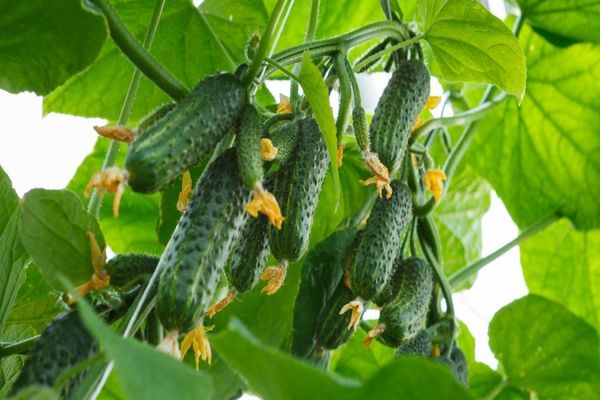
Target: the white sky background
(44, 152)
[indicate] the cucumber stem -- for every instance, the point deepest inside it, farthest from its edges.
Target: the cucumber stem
(138, 54)
(113, 150)
(20, 347)
(292, 75)
(345, 91)
(387, 50)
(460, 277)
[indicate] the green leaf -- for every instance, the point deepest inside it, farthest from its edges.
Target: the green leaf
(315, 91)
(10, 366)
(187, 43)
(273, 374)
(485, 383)
(134, 229)
(541, 158)
(142, 371)
(8, 199)
(53, 230)
(13, 260)
(415, 379)
(466, 342)
(45, 42)
(353, 360)
(563, 264)
(472, 45)
(546, 350)
(36, 393)
(576, 19)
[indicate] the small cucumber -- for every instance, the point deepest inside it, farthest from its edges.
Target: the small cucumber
(284, 137)
(155, 116)
(333, 328)
(185, 134)
(126, 269)
(248, 147)
(457, 363)
(420, 345)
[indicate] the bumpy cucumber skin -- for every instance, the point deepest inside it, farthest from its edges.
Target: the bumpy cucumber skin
(457, 363)
(249, 254)
(64, 343)
(332, 330)
(248, 147)
(380, 243)
(185, 134)
(285, 136)
(321, 273)
(420, 345)
(396, 112)
(406, 315)
(125, 269)
(197, 252)
(297, 188)
(361, 132)
(390, 290)
(155, 116)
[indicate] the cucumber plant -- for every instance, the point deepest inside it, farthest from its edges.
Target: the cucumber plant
(261, 189)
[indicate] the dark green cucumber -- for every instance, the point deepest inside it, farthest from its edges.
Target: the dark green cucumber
(332, 330)
(406, 315)
(248, 147)
(249, 254)
(321, 273)
(126, 269)
(194, 258)
(396, 112)
(297, 188)
(155, 116)
(64, 343)
(284, 137)
(180, 139)
(420, 345)
(457, 363)
(390, 290)
(361, 132)
(380, 243)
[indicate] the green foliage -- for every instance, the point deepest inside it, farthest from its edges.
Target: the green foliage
(44, 43)
(541, 157)
(464, 35)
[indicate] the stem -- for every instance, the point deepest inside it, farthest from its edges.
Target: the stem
(20, 347)
(441, 277)
(345, 96)
(496, 390)
(139, 55)
(264, 47)
(113, 150)
(462, 276)
(387, 50)
(275, 64)
(355, 88)
(311, 29)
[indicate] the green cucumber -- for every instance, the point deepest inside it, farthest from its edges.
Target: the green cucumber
(126, 269)
(420, 345)
(390, 290)
(184, 135)
(332, 330)
(380, 242)
(297, 188)
(248, 147)
(194, 258)
(406, 315)
(321, 273)
(64, 343)
(155, 116)
(284, 137)
(457, 363)
(396, 112)
(361, 132)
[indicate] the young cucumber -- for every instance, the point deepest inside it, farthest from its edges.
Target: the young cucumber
(390, 290)
(284, 137)
(378, 248)
(457, 363)
(396, 112)
(179, 139)
(334, 329)
(195, 256)
(406, 315)
(126, 269)
(420, 345)
(297, 186)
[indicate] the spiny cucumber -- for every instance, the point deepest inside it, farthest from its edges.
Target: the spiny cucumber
(126, 269)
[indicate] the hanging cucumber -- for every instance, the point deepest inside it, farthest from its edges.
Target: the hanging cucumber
(283, 138)
(390, 290)
(127, 269)
(248, 145)
(457, 363)
(335, 328)
(297, 186)
(194, 258)
(420, 345)
(179, 139)
(406, 314)
(378, 248)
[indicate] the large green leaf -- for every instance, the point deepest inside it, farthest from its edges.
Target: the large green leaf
(8, 199)
(472, 45)
(576, 19)
(42, 43)
(186, 43)
(542, 157)
(134, 229)
(13, 260)
(142, 371)
(563, 264)
(273, 374)
(546, 350)
(486, 383)
(53, 230)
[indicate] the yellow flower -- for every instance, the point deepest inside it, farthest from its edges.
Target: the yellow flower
(433, 181)
(284, 106)
(433, 102)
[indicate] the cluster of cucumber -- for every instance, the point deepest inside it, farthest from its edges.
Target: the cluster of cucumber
(218, 236)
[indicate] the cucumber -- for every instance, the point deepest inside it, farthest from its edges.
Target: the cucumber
(390, 290)
(284, 137)
(184, 135)
(457, 363)
(406, 315)
(196, 254)
(334, 329)
(320, 274)
(126, 269)
(420, 345)
(64, 343)
(155, 116)
(396, 112)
